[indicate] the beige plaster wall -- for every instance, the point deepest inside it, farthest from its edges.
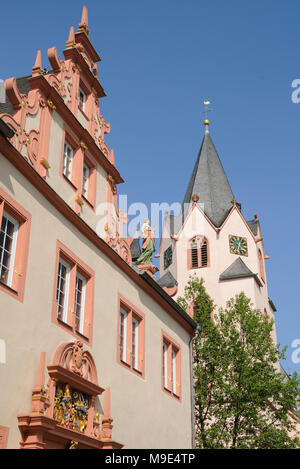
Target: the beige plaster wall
(144, 416)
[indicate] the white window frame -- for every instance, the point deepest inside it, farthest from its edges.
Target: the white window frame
(66, 156)
(13, 248)
(165, 358)
(82, 306)
(64, 315)
(135, 324)
(125, 314)
(85, 184)
(84, 99)
(174, 356)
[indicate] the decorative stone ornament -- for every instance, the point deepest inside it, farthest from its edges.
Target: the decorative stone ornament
(71, 408)
(64, 411)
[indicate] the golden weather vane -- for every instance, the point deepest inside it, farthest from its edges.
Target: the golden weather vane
(206, 110)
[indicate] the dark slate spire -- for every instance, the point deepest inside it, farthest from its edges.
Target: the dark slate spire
(209, 183)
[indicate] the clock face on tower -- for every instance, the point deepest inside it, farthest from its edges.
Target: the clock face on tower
(168, 257)
(238, 245)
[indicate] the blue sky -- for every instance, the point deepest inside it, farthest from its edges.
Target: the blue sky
(160, 59)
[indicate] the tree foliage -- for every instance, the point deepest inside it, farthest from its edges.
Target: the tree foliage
(242, 398)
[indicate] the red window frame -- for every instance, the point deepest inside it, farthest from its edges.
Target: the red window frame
(135, 362)
(80, 157)
(69, 322)
(87, 104)
(167, 378)
(72, 142)
(196, 253)
(16, 211)
(81, 104)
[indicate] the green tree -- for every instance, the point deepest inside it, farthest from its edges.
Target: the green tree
(242, 398)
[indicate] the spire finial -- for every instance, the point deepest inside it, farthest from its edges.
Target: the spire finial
(83, 25)
(205, 111)
(37, 68)
(71, 39)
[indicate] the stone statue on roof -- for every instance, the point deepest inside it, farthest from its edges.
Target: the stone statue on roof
(148, 245)
(144, 261)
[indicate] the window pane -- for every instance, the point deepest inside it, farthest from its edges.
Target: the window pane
(79, 303)
(5, 258)
(134, 343)
(81, 99)
(8, 242)
(8, 238)
(174, 370)
(122, 338)
(62, 290)
(4, 274)
(10, 228)
(165, 365)
(85, 180)
(68, 158)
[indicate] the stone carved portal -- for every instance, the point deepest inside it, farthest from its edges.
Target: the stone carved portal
(63, 414)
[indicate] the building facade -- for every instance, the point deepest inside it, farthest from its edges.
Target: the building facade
(95, 353)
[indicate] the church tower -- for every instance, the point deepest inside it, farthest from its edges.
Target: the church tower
(211, 238)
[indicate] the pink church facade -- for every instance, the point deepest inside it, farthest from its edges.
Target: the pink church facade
(212, 239)
(85, 332)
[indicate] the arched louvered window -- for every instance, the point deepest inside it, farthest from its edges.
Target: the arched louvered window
(198, 255)
(194, 255)
(261, 265)
(204, 258)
